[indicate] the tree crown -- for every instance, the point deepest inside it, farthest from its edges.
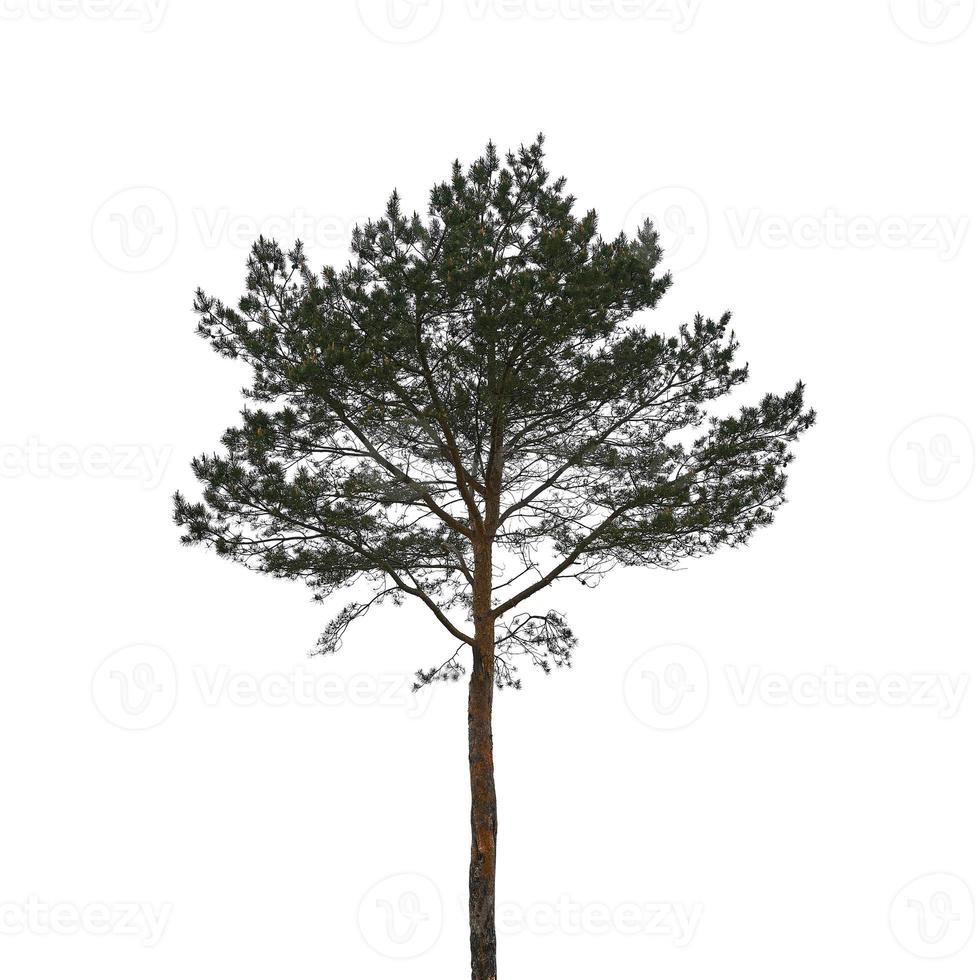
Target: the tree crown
(474, 384)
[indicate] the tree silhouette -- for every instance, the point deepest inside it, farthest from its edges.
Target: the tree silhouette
(466, 414)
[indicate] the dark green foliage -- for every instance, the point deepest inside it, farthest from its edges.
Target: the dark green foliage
(478, 376)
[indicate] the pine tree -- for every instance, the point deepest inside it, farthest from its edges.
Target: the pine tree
(467, 413)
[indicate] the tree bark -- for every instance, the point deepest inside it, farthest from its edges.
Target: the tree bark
(483, 793)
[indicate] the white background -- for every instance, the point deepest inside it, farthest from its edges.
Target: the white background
(814, 168)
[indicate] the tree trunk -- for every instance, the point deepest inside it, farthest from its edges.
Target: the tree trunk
(483, 811)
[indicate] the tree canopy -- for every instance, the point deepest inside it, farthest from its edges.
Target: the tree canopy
(478, 379)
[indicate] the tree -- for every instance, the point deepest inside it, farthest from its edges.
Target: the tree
(466, 414)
